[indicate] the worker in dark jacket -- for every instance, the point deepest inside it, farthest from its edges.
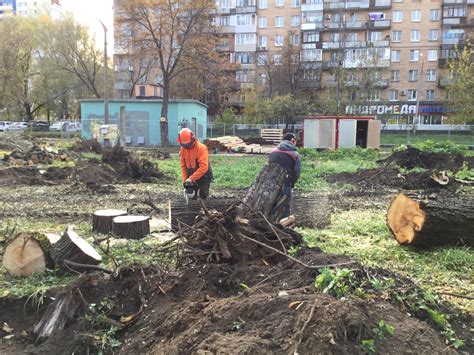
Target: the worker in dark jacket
(195, 167)
(286, 155)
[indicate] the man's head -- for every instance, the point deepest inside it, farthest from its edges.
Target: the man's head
(186, 138)
(290, 137)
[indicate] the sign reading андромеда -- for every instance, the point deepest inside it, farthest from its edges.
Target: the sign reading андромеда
(396, 109)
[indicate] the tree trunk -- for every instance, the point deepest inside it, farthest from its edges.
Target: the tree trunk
(27, 254)
(131, 227)
(420, 221)
(164, 114)
(73, 248)
(102, 220)
(266, 193)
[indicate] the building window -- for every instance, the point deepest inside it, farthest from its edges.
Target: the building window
(243, 20)
(262, 4)
(312, 55)
(431, 75)
(413, 75)
(411, 95)
(335, 37)
(245, 38)
(432, 55)
(396, 56)
(433, 35)
(262, 42)
(295, 40)
(455, 11)
(310, 74)
(261, 59)
(279, 2)
(397, 16)
(395, 75)
(277, 58)
(262, 22)
(375, 36)
(397, 0)
(295, 3)
(279, 21)
(430, 95)
(434, 14)
(278, 41)
(414, 55)
(416, 16)
(374, 95)
(352, 37)
(295, 21)
(396, 36)
(242, 76)
(415, 36)
(242, 58)
(310, 37)
(393, 95)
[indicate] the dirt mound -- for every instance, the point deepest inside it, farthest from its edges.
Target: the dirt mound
(253, 308)
(389, 177)
(411, 158)
(87, 146)
(15, 141)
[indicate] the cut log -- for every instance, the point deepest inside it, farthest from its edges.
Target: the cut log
(73, 248)
(131, 227)
(27, 254)
(102, 220)
(440, 220)
(266, 193)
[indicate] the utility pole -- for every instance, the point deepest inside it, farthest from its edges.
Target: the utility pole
(106, 77)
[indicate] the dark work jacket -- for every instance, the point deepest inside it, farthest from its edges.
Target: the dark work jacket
(287, 156)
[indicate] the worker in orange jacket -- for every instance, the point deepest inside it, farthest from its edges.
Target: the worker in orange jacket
(195, 166)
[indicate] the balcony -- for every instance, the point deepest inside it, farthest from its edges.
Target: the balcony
(337, 45)
(353, 25)
(443, 82)
(442, 62)
(122, 85)
(381, 24)
(355, 63)
(246, 28)
(123, 68)
(224, 48)
(357, 5)
(228, 29)
(381, 4)
(311, 84)
(451, 41)
(382, 84)
(384, 43)
(246, 9)
(312, 7)
(311, 26)
(245, 47)
(333, 6)
(452, 21)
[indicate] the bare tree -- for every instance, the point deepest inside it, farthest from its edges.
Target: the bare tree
(175, 32)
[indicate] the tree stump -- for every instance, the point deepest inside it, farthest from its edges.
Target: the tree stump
(73, 248)
(266, 193)
(27, 254)
(441, 220)
(131, 227)
(102, 220)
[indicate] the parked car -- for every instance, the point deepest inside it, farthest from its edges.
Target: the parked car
(19, 126)
(39, 125)
(58, 126)
(72, 127)
(4, 126)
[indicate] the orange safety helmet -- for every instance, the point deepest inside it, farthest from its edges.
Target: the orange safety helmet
(185, 137)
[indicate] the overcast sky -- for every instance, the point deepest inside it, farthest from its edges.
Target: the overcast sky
(88, 12)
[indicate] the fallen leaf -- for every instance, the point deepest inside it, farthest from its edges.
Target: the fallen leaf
(126, 319)
(7, 328)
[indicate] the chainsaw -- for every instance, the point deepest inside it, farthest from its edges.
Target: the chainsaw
(189, 191)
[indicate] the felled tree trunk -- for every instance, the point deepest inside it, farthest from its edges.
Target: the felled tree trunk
(73, 248)
(441, 220)
(102, 220)
(266, 193)
(131, 227)
(27, 254)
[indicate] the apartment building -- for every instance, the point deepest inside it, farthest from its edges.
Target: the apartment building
(30, 7)
(401, 45)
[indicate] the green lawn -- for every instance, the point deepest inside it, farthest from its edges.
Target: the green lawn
(403, 138)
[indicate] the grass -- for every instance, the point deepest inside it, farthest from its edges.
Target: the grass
(235, 171)
(403, 138)
(363, 235)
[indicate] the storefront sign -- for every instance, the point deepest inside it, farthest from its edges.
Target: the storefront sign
(405, 109)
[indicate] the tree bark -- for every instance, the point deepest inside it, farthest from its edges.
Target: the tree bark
(432, 221)
(266, 193)
(102, 220)
(131, 227)
(73, 248)
(164, 113)
(27, 254)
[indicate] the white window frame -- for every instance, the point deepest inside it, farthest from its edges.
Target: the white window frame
(263, 4)
(412, 94)
(397, 16)
(278, 41)
(437, 12)
(431, 97)
(279, 3)
(374, 95)
(278, 61)
(416, 16)
(436, 34)
(295, 39)
(295, 20)
(415, 36)
(295, 3)
(396, 60)
(397, 39)
(413, 75)
(416, 55)
(393, 97)
(263, 41)
(262, 22)
(430, 57)
(393, 77)
(431, 75)
(279, 21)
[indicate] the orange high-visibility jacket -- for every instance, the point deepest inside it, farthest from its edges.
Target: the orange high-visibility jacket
(194, 161)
